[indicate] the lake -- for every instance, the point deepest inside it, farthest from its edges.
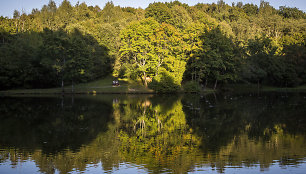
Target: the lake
(213, 133)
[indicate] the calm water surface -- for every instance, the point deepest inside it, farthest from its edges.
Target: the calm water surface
(222, 133)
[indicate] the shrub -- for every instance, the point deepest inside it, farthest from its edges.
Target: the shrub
(164, 83)
(192, 87)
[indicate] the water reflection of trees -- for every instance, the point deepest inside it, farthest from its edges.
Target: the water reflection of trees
(249, 129)
(47, 130)
(43, 122)
(160, 139)
(162, 134)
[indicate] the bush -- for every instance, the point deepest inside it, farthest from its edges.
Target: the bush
(164, 83)
(192, 87)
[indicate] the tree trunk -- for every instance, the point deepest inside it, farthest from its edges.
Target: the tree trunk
(157, 67)
(62, 101)
(72, 86)
(63, 91)
(72, 100)
(145, 79)
(205, 84)
(16, 27)
(215, 84)
(258, 85)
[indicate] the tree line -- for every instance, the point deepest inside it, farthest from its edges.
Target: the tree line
(165, 46)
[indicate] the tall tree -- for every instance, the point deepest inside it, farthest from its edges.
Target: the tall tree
(217, 60)
(137, 49)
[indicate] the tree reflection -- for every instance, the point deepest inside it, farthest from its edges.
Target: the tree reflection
(46, 130)
(160, 139)
(247, 129)
(161, 133)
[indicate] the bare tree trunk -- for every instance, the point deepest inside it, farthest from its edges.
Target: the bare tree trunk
(215, 84)
(205, 84)
(215, 97)
(157, 67)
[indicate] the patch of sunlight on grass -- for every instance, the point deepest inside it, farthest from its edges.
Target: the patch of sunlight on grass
(99, 86)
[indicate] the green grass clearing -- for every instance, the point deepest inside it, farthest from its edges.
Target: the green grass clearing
(98, 86)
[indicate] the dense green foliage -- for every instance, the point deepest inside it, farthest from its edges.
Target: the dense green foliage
(163, 46)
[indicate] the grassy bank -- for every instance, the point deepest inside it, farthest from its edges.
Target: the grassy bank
(96, 87)
(104, 86)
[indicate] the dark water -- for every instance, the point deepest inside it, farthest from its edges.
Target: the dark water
(223, 133)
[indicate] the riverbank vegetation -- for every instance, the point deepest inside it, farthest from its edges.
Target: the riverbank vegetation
(165, 47)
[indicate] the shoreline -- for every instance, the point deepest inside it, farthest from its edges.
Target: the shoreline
(124, 90)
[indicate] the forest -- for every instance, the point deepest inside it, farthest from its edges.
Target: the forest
(166, 46)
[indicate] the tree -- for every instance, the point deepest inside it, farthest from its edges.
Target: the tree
(151, 49)
(112, 13)
(136, 48)
(54, 52)
(217, 59)
(194, 45)
(181, 17)
(250, 9)
(295, 57)
(265, 65)
(16, 16)
(64, 14)
(174, 36)
(47, 15)
(160, 12)
(288, 12)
